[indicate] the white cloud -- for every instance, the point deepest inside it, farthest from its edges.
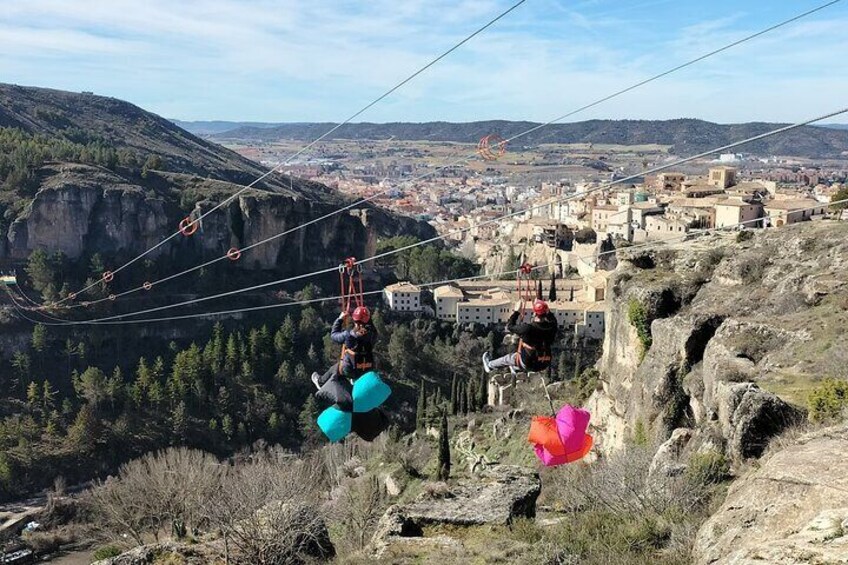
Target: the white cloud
(321, 60)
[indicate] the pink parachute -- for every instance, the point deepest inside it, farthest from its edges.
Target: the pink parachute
(561, 439)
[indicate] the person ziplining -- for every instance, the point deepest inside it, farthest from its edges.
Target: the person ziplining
(535, 338)
(357, 355)
(352, 385)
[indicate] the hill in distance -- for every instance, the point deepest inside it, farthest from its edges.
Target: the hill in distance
(213, 127)
(686, 136)
(86, 119)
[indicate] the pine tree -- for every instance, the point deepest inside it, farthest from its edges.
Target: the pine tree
(284, 339)
(39, 338)
(228, 427)
(421, 409)
(32, 395)
(274, 425)
(306, 420)
(179, 421)
(552, 296)
(48, 397)
(52, 427)
(143, 381)
(444, 450)
(472, 395)
(454, 405)
(231, 358)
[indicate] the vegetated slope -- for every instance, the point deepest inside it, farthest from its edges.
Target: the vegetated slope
(687, 136)
(84, 174)
(86, 118)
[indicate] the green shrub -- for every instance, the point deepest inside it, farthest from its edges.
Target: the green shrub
(744, 235)
(637, 315)
(829, 401)
(640, 434)
(708, 468)
(106, 552)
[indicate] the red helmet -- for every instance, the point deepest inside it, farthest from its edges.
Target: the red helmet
(361, 315)
(540, 307)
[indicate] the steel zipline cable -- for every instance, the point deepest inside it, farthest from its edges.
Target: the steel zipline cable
(289, 159)
(460, 231)
(232, 312)
(463, 160)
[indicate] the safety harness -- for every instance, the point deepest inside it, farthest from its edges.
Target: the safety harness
(352, 296)
(527, 356)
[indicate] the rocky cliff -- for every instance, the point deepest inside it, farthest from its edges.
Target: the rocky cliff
(713, 344)
(135, 175)
(793, 509)
(82, 209)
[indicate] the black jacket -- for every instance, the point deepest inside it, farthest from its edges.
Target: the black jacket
(539, 335)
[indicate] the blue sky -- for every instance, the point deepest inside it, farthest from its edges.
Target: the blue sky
(320, 60)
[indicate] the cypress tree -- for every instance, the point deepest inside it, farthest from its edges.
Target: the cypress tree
(539, 289)
(577, 371)
(421, 410)
(453, 397)
(444, 450)
(463, 399)
(552, 292)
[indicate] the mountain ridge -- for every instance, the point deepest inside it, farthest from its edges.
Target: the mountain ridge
(684, 135)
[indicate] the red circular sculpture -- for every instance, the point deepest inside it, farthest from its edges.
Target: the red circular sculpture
(492, 147)
(147, 285)
(108, 276)
(233, 254)
(526, 269)
(188, 226)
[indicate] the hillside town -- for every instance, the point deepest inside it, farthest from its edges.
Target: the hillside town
(567, 227)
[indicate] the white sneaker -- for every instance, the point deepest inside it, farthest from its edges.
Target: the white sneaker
(486, 362)
(316, 380)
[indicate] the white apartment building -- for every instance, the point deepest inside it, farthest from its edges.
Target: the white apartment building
(446, 298)
(403, 297)
(487, 310)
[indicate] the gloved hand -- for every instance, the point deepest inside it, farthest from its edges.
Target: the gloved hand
(343, 315)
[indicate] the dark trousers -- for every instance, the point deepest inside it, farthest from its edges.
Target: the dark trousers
(333, 370)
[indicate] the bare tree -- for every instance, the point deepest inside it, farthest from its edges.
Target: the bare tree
(358, 509)
(266, 509)
(171, 488)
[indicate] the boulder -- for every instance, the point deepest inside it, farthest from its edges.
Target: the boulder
(393, 486)
(749, 417)
(666, 461)
(501, 494)
(156, 552)
(792, 509)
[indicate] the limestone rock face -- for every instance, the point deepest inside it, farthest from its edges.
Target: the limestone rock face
(729, 323)
(500, 495)
(81, 210)
(793, 509)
